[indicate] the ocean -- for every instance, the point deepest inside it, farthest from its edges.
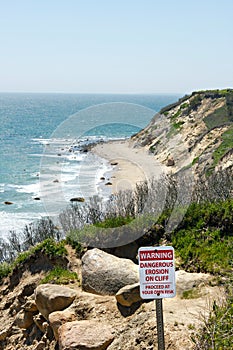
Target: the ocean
(43, 138)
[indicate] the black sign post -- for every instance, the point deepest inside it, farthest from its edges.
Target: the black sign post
(157, 280)
(160, 327)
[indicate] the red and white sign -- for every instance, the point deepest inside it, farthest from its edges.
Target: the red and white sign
(157, 272)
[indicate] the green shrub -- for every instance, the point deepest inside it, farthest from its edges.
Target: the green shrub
(114, 222)
(48, 247)
(71, 239)
(60, 276)
(204, 239)
(51, 248)
(184, 105)
(195, 160)
(178, 125)
(176, 115)
(5, 270)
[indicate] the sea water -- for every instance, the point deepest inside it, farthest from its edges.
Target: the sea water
(42, 139)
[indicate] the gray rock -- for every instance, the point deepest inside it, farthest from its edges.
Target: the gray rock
(187, 280)
(85, 335)
(129, 295)
(105, 274)
(51, 297)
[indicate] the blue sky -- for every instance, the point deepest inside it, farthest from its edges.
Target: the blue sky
(115, 46)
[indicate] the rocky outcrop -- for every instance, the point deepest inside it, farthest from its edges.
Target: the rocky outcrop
(105, 274)
(85, 335)
(50, 298)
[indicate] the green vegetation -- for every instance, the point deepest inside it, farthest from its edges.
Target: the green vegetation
(195, 102)
(204, 239)
(225, 146)
(217, 332)
(60, 276)
(5, 270)
(114, 222)
(218, 117)
(184, 105)
(178, 125)
(191, 294)
(48, 247)
(176, 115)
(223, 114)
(195, 160)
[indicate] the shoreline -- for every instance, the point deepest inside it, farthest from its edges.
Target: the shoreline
(130, 165)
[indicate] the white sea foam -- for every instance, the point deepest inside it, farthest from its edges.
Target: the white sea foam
(31, 188)
(16, 221)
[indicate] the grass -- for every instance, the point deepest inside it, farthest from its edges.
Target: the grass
(178, 125)
(225, 146)
(195, 160)
(176, 115)
(191, 294)
(184, 105)
(60, 276)
(48, 247)
(217, 332)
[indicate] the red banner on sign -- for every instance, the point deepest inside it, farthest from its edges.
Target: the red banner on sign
(146, 255)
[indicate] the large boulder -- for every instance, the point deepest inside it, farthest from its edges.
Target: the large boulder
(85, 335)
(105, 274)
(58, 318)
(186, 280)
(129, 295)
(52, 297)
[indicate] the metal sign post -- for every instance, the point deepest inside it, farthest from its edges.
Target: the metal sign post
(157, 280)
(160, 327)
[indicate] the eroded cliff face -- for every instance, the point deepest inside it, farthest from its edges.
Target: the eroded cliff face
(196, 133)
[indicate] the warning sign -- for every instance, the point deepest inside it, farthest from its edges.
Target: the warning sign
(157, 272)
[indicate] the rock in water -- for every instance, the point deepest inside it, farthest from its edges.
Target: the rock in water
(77, 199)
(51, 297)
(85, 335)
(105, 274)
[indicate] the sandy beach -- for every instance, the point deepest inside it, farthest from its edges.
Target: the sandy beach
(130, 165)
